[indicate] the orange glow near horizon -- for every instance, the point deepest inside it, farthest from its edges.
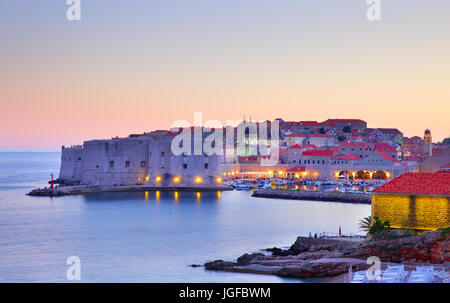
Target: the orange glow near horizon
(100, 78)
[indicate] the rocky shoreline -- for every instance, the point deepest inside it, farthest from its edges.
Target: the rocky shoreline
(314, 257)
(313, 196)
(90, 189)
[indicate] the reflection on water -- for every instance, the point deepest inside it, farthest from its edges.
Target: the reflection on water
(150, 236)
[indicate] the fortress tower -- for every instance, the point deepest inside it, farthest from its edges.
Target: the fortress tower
(427, 144)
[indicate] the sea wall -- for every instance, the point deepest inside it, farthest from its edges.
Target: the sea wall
(314, 196)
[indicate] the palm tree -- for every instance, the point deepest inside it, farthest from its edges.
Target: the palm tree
(379, 225)
(364, 223)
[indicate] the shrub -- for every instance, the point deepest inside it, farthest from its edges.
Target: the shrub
(378, 225)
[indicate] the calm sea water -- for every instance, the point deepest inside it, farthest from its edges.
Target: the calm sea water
(144, 237)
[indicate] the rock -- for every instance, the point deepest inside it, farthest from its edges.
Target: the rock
(303, 244)
(246, 258)
(323, 268)
(430, 247)
(218, 265)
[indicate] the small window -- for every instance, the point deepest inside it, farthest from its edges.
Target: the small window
(162, 154)
(143, 164)
(127, 164)
(111, 164)
(184, 165)
(96, 166)
(79, 159)
(206, 165)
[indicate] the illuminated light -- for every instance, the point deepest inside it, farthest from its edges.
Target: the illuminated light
(219, 194)
(199, 195)
(229, 174)
(147, 178)
(297, 176)
(388, 174)
(337, 174)
(157, 195)
(198, 180)
(270, 172)
(280, 172)
(232, 173)
(224, 174)
(305, 173)
(237, 172)
(146, 195)
(219, 180)
(315, 174)
(176, 195)
(158, 179)
(176, 179)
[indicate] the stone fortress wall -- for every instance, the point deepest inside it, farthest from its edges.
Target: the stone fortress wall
(142, 160)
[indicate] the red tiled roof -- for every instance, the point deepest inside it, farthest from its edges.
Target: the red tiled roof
(347, 157)
(248, 159)
(383, 147)
(318, 152)
(446, 165)
(387, 157)
(332, 122)
(418, 183)
(296, 169)
(310, 135)
(310, 123)
(296, 146)
(356, 144)
(391, 131)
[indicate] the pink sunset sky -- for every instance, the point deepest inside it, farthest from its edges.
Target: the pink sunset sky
(135, 66)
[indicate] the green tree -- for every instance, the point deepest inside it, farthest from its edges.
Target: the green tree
(347, 129)
(378, 225)
(322, 130)
(364, 223)
(341, 138)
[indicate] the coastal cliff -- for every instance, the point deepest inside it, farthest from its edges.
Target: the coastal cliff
(312, 257)
(431, 247)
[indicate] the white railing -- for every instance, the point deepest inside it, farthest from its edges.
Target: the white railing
(342, 237)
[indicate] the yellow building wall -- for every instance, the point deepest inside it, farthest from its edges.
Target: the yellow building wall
(414, 212)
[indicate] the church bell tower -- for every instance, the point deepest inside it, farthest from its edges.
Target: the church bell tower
(427, 144)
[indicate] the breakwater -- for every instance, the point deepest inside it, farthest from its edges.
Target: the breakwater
(90, 189)
(314, 196)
